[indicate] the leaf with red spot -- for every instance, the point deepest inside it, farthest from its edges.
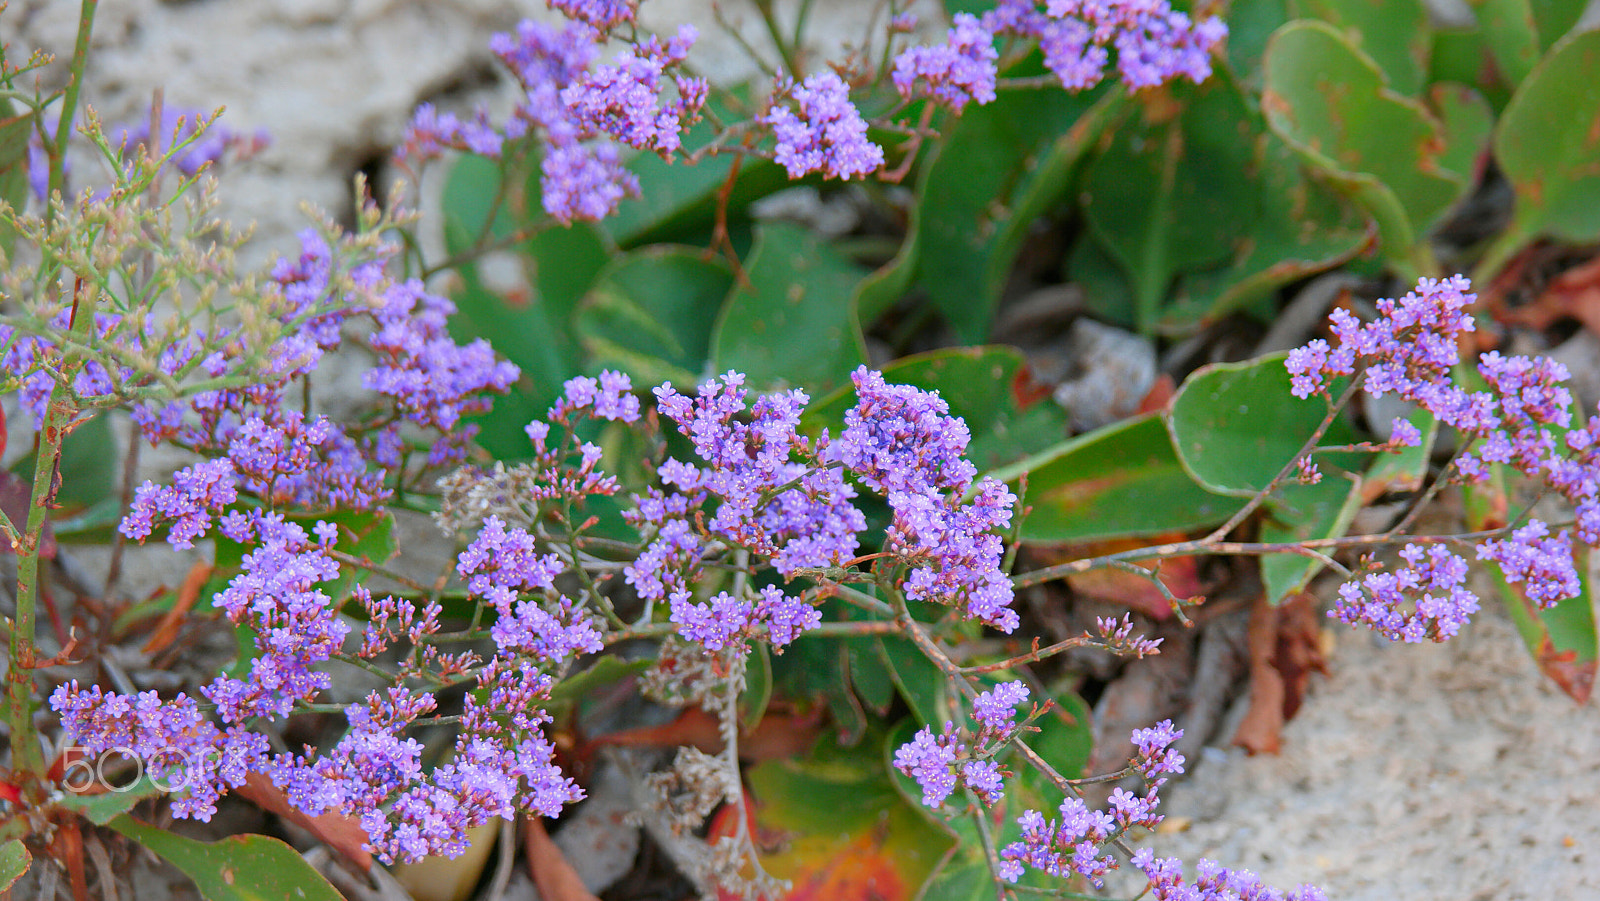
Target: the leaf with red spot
(834, 825)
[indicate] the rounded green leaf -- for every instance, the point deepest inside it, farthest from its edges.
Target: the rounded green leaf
(1173, 192)
(1120, 481)
(1002, 166)
(1235, 425)
(1548, 145)
(652, 311)
(14, 861)
(237, 868)
(1329, 102)
(790, 321)
(1393, 33)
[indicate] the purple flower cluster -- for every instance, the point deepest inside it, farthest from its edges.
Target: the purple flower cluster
(726, 619)
(1539, 560)
(1427, 598)
(623, 100)
(610, 397)
(579, 109)
(766, 489)
(1154, 44)
(902, 442)
(602, 15)
(279, 454)
(501, 565)
(296, 630)
(796, 514)
(1073, 843)
(959, 71)
(502, 765)
(824, 132)
(433, 380)
(1409, 351)
(1213, 882)
(942, 763)
(1118, 637)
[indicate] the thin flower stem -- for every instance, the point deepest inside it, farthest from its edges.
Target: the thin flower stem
(1255, 502)
(1308, 548)
(1033, 656)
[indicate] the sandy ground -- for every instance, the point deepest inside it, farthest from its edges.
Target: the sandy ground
(1412, 774)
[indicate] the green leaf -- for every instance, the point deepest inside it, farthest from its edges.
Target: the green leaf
(849, 834)
(1120, 481)
(1172, 192)
(1201, 190)
(1385, 151)
(1511, 35)
(819, 669)
(791, 324)
(651, 313)
(1303, 512)
(1547, 143)
(1563, 639)
(103, 808)
(468, 201)
(980, 384)
(1299, 228)
(1555, 18)
(1235, 425)
(14, 862)
(89, 467)
(1468, 121)
(1105, 286)
(917, 678)
(1002, 166)
(677, 200)
(757, 687)
(534, 332)
(1394, 34)
(884, 287)
(1250, 24)
(237, 868)
(869, 674)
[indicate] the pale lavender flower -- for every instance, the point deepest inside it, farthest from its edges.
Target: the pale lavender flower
(1213, 882)
(826, 134)
(996, 709)
(601, 14)
(584, 182)
(610, 397)
(1119, 637)
(931, 761)
(1426, 599)
(623, 102)
(1541, 561)
(959, 71)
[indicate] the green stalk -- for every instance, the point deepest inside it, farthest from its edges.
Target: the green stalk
(26, 756)
(57, 149)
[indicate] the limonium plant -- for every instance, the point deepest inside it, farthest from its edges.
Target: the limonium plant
(746, 530)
